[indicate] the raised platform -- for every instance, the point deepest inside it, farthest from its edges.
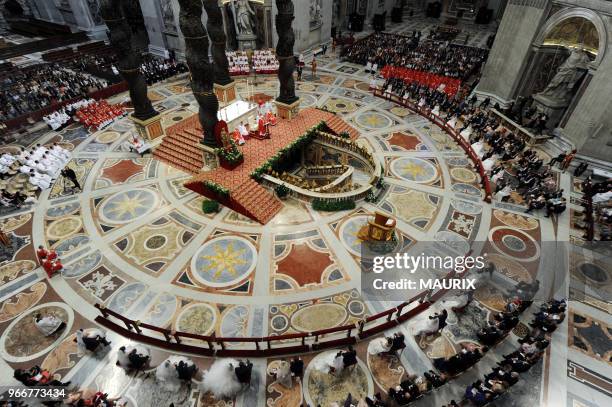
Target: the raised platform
(245, 195)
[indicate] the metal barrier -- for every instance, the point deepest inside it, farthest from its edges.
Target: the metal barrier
(465, 145)
(277, 345)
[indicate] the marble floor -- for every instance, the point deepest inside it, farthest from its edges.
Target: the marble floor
(136, 241)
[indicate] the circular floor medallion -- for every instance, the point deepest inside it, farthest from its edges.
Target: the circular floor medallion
(463, 174)
(415, 169)
(324, 389)
(21, 341)
(64, 227)
(318, 316)
(514, 243)
(197, 319)
(128, 206)
(373, 120)
(108, 137)
(224, 261)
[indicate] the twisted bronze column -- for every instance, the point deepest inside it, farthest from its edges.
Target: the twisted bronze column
(284, 51)
(196, 54)
(129, 61)
(214, 25)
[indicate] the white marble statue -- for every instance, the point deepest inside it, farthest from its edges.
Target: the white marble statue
(315, 12)
(244, 15)
(570, 71)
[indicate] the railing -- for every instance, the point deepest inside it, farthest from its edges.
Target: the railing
(37, 115)
(354, 195)
(465, 145)
(277, 345)
(347, 144)
(326, 170)
(307, 195)
(517, 128)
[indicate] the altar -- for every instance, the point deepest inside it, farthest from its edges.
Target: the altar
(236, 112)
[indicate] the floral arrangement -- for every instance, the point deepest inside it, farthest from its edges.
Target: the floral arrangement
(282, 190)
(332, 206)
(230, 154)
(216, 188)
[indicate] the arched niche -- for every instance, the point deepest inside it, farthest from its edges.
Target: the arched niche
(575, 28)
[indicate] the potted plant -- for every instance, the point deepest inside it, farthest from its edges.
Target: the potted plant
(282, 191)
(230, 156)
(210, 206)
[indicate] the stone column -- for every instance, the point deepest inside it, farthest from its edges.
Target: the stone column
(267, 22)
(287, 102)
(508, 58)
(48, 11)
(145, 117)
(225, 87)
(87, 18)
(154, 23)
(588, 126)
(196, 54)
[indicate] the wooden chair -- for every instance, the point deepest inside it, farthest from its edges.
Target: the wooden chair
(380, 228)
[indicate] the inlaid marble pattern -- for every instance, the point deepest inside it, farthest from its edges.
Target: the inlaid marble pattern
(136, 241)
(152, 246)
(419, 170)
(415, 207)
(62, 187)
(118, 171)
(323, 388)
(304, 264)
(590, 336)
(342, 309)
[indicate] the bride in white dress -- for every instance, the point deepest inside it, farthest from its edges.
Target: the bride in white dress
(221, 379)
(330, 362)
(167, 374)
(379, 345)
(425, 326)
(123, 355)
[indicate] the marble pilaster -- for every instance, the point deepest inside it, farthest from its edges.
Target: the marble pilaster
(153, 20)
(507, 61)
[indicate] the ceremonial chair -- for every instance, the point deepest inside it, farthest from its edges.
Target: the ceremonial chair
(379, 228)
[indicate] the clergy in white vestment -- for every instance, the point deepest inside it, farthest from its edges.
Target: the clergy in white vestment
(48, 324)
(22, 154)
(7, 159)
(60, 152)
(43, 169)
(38, 182)
(51, 165)
(26, 169)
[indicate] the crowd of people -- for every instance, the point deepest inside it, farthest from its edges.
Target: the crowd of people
(64, 116)
(450, 86)
(511, 166)
(596, 218)
(101, 65)
(265, 62)
(532, 346)
(432, 56)
(39, 86)
(36, 169)
(238, 62)
(503, 153)
(156, 69)
(98, 114)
